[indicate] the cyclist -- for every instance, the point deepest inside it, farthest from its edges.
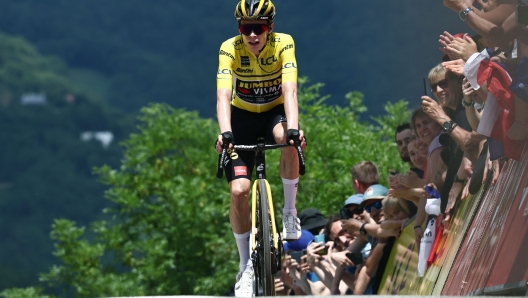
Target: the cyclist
(257, 96)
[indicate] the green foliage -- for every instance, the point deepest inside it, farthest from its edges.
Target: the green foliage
(169, 231)
(23, 293)
(337, 140)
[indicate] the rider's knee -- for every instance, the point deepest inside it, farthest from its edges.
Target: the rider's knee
(239, 191)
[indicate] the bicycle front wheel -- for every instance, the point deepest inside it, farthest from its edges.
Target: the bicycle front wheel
(265, 239)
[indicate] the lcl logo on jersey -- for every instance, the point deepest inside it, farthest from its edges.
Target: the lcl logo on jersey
(268, 61)
(224, 71)
(290, 65)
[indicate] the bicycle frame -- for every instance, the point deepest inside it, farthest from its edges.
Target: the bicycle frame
(261, 176)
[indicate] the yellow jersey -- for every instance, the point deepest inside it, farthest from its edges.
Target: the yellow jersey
(257, 81)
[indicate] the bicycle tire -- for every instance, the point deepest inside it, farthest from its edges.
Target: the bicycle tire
(265, 254)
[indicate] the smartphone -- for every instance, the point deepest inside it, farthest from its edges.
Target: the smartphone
(521, 15)
(321, 239)
(296, 255)
(356, 257)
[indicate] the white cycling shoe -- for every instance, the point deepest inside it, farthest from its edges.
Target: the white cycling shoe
(244, 283)
(291, 227)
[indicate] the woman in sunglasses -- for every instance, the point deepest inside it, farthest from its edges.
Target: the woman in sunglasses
(257, 97)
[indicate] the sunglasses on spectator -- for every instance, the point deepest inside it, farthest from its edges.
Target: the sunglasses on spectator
(358, 210)
(376, 206)
(347, 213)
(258, 29)
(443, 84)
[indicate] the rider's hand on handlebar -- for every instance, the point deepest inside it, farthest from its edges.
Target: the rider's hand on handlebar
(292, 134)
(225, 136)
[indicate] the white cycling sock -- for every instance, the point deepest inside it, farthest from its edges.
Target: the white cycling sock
(242, 241)
(249, 265)
(290, 194)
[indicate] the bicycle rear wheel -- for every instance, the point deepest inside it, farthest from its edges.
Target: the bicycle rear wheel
(264, 247)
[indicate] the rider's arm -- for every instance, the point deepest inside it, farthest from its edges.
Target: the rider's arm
(289, 83)
(223, 108)
(291, 106)
(224, 87)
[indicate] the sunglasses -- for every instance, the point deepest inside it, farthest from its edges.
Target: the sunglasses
(443, 84)
(346, 213)
(258, 29)
(376, 206)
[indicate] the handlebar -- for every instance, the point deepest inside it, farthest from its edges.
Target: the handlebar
(261, 147)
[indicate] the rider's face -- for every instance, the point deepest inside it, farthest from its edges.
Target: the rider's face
(255, 42)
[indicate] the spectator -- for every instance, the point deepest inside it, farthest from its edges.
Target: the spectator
(410, 187)
(352, 206)
(312, 220)
(372, 217)
(364, 174)
(294, 269)
(414, 177)
(429, 132)
(402, 138)
(396, 215)
(324, 267)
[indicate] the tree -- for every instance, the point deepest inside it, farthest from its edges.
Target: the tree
(170, 232)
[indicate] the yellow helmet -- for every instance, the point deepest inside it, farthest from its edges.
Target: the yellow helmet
(255, 10)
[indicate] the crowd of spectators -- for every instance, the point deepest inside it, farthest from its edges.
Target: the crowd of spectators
(476, 118)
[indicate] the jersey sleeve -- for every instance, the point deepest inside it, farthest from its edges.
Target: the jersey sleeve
(289, 64)
(226, 57)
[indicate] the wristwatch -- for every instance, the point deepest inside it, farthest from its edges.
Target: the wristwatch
(362, 229)
(468, 104)
(458, 180)
(463, 14)
(449, 126)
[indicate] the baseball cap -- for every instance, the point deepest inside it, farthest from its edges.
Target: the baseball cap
(299, 244)
(312, 218)
(353, 200)
(374, 193)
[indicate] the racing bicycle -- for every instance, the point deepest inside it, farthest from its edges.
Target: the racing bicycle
(265, 242)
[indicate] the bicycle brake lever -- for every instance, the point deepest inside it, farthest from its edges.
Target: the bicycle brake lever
(300, 155)
(221, 158)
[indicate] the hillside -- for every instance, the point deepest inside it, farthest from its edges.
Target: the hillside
(165, 51)
(45, 166)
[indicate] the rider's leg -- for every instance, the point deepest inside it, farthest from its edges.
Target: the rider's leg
(289, 171)
(239, 216)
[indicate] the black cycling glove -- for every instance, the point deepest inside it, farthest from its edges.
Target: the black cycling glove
(293, 135)
(227, 138)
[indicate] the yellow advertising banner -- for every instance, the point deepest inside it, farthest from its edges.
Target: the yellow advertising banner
(400, 276)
